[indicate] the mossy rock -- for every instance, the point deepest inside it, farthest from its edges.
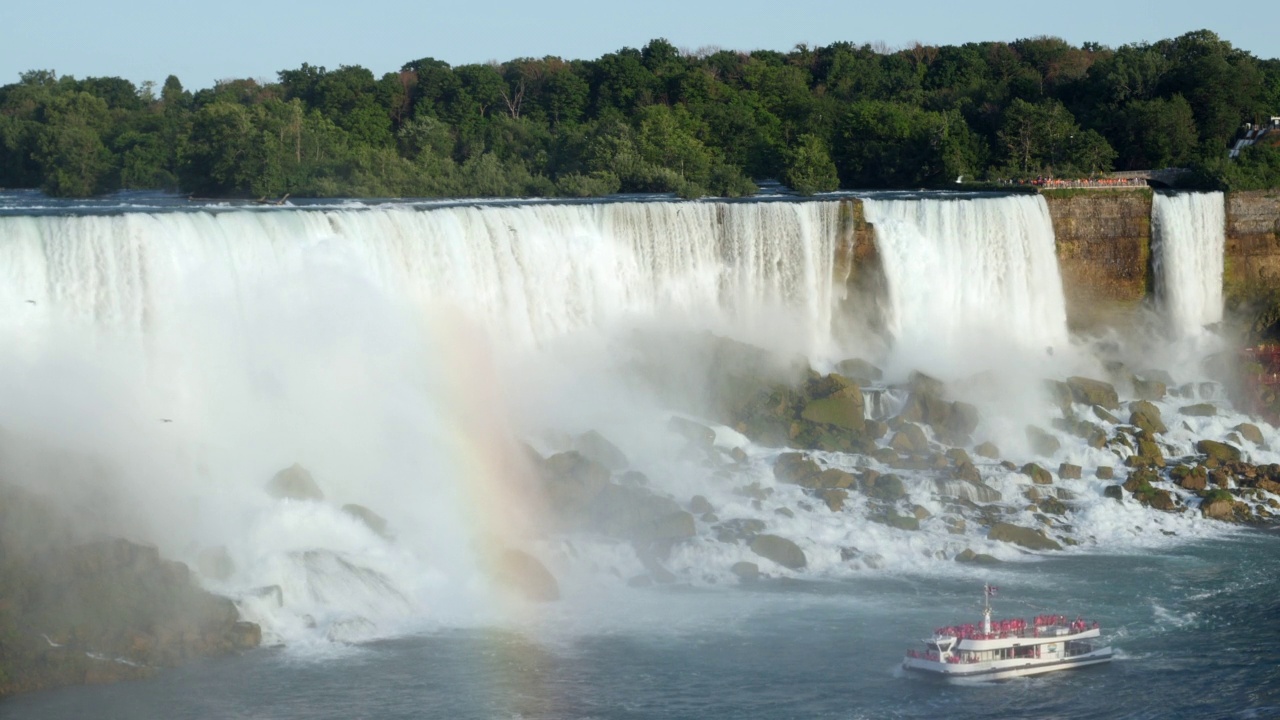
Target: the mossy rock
(843, 411)
(1218, 451)
(1038, 475)
(1199, 410)
(780, 550)
(1022, 536)
(1088, 391)
(1146, 416)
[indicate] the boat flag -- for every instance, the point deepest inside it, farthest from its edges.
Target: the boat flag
(991, 590)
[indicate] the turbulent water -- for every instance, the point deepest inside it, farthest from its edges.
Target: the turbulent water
(186, 355)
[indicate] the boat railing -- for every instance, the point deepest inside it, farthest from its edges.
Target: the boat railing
(1016, 628)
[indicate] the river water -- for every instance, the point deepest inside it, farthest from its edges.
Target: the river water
(389, 347)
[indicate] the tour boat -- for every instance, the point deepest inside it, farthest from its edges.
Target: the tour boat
(1000, 649)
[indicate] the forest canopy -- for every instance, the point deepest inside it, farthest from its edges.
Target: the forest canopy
(657, 119)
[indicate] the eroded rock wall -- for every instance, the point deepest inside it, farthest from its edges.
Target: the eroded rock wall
(1252, 263)
(1104, 250)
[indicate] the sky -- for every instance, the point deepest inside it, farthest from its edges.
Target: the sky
(202, 43)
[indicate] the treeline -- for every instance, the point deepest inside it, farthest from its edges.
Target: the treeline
(656, 120)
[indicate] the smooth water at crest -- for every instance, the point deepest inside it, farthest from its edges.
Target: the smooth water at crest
(1192, 629)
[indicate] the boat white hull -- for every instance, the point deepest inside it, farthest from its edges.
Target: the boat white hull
(1005, 669)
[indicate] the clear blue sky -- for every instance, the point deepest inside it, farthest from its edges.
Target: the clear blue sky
(201, 42)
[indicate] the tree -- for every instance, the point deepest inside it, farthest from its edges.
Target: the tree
(72, 157)
(809, 168)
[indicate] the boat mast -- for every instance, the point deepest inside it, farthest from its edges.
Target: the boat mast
(986, 609)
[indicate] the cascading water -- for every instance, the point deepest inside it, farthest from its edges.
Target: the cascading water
(969, 280)
(203, 351)
(1189, 230)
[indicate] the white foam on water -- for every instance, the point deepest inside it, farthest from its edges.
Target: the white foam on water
(1189, 232)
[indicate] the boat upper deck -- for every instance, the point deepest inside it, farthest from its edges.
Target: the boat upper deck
(1041, 626)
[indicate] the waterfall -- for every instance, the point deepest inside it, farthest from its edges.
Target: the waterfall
(1189, 232)
(969, 280)
(527, 274)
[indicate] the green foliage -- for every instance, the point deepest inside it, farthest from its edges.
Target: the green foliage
(1218, 495)
(656, 120)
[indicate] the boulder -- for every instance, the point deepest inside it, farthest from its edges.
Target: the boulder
(1025, 537)
(909, 438)
(860, 370)
(1094, 392)
(746, 571)
(699, 505)
(780, 550)
(987, 450)
(1042, 443)
(795, 469)
(1199, 410)
(738, 529)
(294, 483)
(894, 520)
(834, 498)
(1149, 389)
(969, 556)
(1102, 414)
(1067, 471)
(636, 514)
(594, 446)
(1105, 472)
(887, 487)
(1115, 492)
(525, 575)
(1146, 416)
(833, 478)
(922, 384)
(1252, 433)
(371, 519)
(1218, 451)
(1038, 475)
(694, 432)
(572, 481)
(977, 492)
(963, 420)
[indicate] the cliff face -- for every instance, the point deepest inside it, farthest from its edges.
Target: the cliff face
(1252, 263)
(1104, 250)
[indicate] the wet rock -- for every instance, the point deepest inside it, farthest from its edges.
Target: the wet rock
(910, 438)
(1059, 394)
(745, 571)
(1094, 392)
(834, 498)
(1022, 536)
(371, 519)
(1115, 492)
(1053, 506)
(1042, 443)
(572, 481)
(888, 487)
(958, 456)
(922, 384)
(967, 490)
(967, 471)
(638, 514)
(1189, 478)
(1221, 452)
(699, 505)
(969, 556)
(1105, 472)
(780, 550)
(738, 529)
(1038, 475)
(694, 432)
(1146, 416)
(795, 468)
(1102, 414)
(1067, 471)
(1149, 389)
(859, 370)
(987, 450)
(1147, 453)
(1252, 433)
(525, 575)
(1199, 410)
(891, 518)
(294, 483)
(594, 446)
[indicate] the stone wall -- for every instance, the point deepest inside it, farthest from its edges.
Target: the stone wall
(1252, 263)
(1104, 250)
